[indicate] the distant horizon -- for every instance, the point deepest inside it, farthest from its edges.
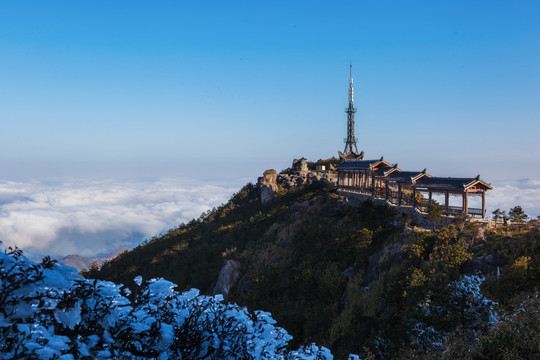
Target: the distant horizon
(96, 217)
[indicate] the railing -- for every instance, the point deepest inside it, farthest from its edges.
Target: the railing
(393, 197)
(456, 210)
(406, 200)
(475, 212)
(379, 193)
(356, 189)
(421, 205)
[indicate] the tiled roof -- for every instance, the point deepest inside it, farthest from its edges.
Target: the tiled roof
(404, 175)
(385, 170)
(362, 164)
(357, 164)
(450, 183)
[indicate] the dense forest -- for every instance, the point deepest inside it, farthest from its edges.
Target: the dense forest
(359, 279)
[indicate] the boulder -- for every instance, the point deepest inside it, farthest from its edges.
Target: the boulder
(267, 194)
(244, 285)
(300, 164)
(269, 176)
(228, 278)
(481, 264)
(268, 185)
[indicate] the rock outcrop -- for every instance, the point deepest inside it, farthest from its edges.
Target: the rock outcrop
(296, 176)
(482, 264)
(268, 185)
(300, 164)
(228, 278)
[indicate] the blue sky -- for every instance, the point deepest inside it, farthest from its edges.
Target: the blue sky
(164, 88)
(105, 106)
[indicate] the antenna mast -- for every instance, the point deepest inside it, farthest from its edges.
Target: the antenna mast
(350, 141)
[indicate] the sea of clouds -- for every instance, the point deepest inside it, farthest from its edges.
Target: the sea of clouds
(94, 218)
(509, 193)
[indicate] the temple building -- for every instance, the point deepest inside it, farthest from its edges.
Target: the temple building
(382, 180)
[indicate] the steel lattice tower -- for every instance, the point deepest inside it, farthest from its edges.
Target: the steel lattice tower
(350, 141)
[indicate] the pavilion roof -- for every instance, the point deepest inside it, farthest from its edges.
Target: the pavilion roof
(408, 176)
(386, 170)
(363, 164)
(452, 183)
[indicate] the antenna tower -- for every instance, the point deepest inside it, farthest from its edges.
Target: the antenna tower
(350, 141)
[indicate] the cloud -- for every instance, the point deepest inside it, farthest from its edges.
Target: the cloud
(95, 218)
(507, 194)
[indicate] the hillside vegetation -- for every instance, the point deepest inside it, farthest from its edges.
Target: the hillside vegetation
(358, 279)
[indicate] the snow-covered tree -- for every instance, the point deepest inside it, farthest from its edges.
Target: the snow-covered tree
(47, 311)
(460, 306)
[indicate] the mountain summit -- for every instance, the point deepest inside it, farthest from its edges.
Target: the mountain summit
(355, 276)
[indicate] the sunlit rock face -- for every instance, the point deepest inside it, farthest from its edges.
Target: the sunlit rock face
(268, 185)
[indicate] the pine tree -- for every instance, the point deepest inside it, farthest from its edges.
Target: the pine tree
(517, 215)
(497, 215)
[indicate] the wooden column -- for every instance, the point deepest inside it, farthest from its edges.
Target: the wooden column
(414, 198)
(430, 197)
(446, 201)
(372, 185)
(386, 191)
(366, 185)
(399, 195)
(465, 203)
(365, 182)
(483, 204)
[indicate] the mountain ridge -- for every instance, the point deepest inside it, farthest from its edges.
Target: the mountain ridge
(352, 276)
(82, 263)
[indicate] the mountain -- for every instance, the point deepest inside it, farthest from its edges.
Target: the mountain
(356, 277)
(82, 263)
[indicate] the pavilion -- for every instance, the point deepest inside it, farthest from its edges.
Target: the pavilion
(382, 180)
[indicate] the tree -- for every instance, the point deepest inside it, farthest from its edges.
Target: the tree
(497, 216)
(517, 215)
(435, 214)
(459, 306)
(47, 311)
